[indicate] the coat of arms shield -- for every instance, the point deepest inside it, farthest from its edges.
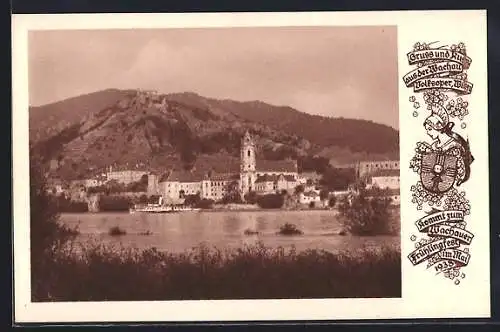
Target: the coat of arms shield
(438, 171)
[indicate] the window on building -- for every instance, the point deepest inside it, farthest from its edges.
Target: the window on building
(248, 153)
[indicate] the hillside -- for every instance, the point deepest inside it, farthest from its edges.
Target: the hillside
(48, 120)
(356, 135)
(115, 127)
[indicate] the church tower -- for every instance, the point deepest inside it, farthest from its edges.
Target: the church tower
(247, 164)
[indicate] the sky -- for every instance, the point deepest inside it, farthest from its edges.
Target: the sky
(348, 72)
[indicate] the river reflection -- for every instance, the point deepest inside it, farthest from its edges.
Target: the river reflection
(180, 231)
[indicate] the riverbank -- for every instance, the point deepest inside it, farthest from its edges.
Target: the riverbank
(306, 209)
(111, 273)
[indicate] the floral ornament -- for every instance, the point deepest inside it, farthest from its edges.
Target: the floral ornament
(420, 196)
(416, 105)
(416, 161)
(460, 48)
(458, 109)
(434, 97)
(421, 46)
(412, 99)
(432, 261)
(460, 162)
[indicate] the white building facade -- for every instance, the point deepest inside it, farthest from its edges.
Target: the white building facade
(384, 179)
(366, 168)
(260, 176)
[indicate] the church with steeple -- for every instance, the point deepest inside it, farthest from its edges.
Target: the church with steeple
(255, 175)
(248, 163)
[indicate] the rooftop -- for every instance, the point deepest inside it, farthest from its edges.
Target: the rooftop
(182, 176)
(224, 177)
(217, 164)
(273, 178)
(312, 175)
(378, 160)
(197, 176)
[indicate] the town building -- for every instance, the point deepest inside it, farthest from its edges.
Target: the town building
(311, 178)
(384, 178)
(267, 184)
(388, 180)
(153, 184)
(260, 176)
(125, 176)
(333, 163)
(94, 182)
(55, 186)
(393, 194)
(77, 184)
(309, 197)
(365, 168)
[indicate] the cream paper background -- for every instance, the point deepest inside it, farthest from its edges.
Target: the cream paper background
(424, 294)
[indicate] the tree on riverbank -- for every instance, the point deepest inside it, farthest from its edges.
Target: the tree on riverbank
(65, 204)
(251, 197)
(367, 212)
(271, 201)
(232, 194)
(114, 203)
(48, 235)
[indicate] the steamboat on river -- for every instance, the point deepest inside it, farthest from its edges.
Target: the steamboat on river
(160, 208)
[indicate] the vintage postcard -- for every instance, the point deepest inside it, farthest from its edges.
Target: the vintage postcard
(250, 166)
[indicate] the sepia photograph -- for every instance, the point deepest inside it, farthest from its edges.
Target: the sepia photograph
(214, 163)
(250, 167)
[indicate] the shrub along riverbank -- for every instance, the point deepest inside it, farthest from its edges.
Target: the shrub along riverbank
(101, 273)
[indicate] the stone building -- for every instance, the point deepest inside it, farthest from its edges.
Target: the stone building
(365, 168)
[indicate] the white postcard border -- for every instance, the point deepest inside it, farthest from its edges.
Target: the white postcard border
(423, 295)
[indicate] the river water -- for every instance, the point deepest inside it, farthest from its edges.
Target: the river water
(177, 232)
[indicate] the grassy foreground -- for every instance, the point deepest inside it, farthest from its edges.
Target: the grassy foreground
(98, 273)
